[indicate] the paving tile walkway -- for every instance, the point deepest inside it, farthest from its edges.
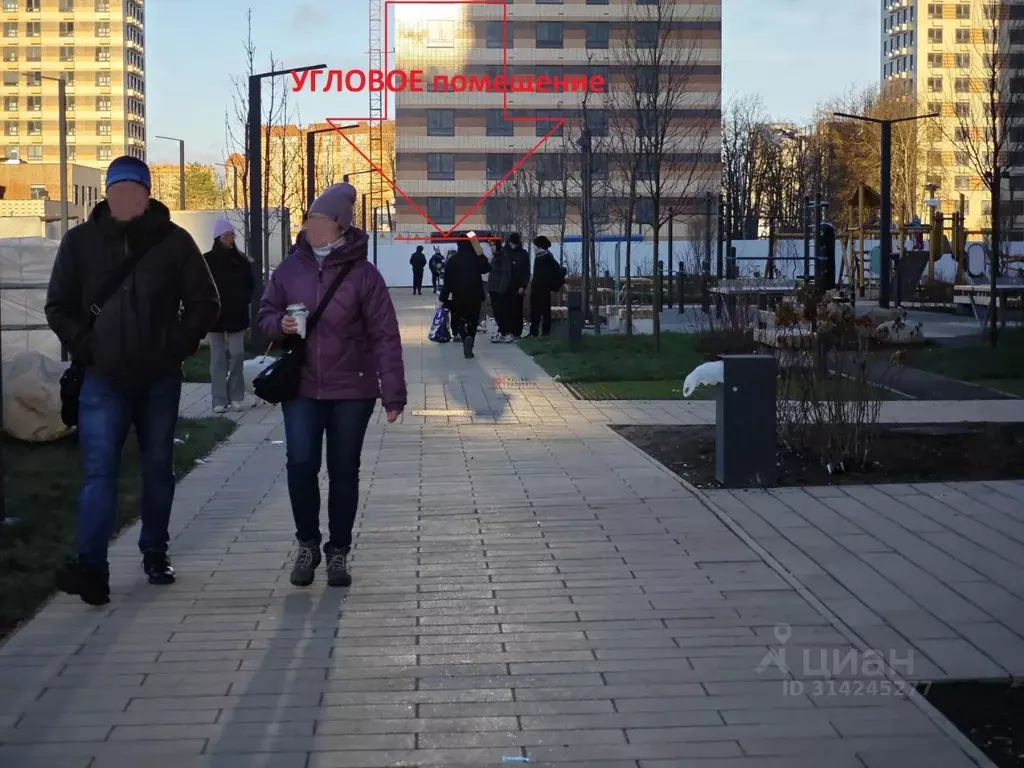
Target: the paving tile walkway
(528, 587)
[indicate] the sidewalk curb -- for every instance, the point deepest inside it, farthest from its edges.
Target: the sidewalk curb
(942, 723)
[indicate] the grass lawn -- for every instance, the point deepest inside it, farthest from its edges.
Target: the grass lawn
(42, 483)
(1000, 368)
(668, 389)
(197, 367)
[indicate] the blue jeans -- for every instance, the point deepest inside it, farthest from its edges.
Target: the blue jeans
(105, 416)
(306, 422)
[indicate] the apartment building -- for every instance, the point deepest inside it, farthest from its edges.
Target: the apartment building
(98, 47)
(452, 148)
(284, 172)
(940, 55)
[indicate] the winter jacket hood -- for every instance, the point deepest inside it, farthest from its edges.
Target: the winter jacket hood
(355, 351)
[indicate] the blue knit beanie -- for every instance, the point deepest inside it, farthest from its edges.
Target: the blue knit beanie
(128, 168)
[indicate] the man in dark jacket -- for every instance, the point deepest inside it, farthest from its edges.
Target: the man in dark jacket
(418, 263)
(520, 282)
(548, 277)
(132, 353)
(436, 266)
(463, 291)
(232, 272)
(501, 289)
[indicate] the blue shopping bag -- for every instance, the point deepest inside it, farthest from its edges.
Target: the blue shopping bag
(439, 327)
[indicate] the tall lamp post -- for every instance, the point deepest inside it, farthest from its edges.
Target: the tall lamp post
(253, 150)
(62, 126)
(586, 146)
(885, 236)
(345, 178)
(181, 169)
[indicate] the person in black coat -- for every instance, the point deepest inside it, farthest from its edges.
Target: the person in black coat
(419, 263)
(232, 272)
(520, 282)
(463, 291)
(548, 277)
(436, 267)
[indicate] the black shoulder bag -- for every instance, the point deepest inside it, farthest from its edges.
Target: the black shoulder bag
(279, 381)
(71, 381)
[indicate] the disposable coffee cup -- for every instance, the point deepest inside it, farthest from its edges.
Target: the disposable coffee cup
(300, 313)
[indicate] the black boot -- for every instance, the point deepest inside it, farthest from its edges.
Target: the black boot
(158, 568)
(306, 561)
(85, 580)
(467, 347)
(338, 574)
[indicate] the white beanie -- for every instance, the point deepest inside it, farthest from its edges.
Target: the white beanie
(222, 227)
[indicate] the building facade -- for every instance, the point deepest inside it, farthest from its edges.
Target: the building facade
(453, 148)
(98, 47)
(944, 57)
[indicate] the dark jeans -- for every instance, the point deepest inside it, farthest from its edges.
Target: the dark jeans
(500, 308)
(435, 280)
(417, 281)
(105, 416)
(306, 422)
(515, 314)
(540, 313)
(465, 320)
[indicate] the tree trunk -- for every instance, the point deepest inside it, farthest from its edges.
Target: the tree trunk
(629, 277)
(997, 216)
(656, 314)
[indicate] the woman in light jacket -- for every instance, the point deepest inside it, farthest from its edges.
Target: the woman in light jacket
(353, 358)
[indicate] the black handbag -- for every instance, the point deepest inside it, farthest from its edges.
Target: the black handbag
(279, 381)
(71, 380)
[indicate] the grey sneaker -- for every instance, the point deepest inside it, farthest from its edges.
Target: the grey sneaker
(337, 567)
(306, 561)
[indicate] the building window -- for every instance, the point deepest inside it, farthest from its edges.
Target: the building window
(963, 10)
(549, 167)
(11, 128)
(644, 211)
(935, 60)
(441, 210)
(597, 121)
(103, 79)
(599, 166)
(935, 35)
(497, 125)
(962, 183)
(70, 128)
(962, 85)
(646, 34)
(11, 78)
(35, 153)
(963, 36)
(962, 134)
(548, 2)
(597, 2)
(646, 79)
(66, 29)
(934, 108)
(66, 6)
(33, 29)
(10, 6)
(67, 53)
(962, 158)
(72, 153)
(441, 122)
(38, 192)
(544, 127)
(102, 127)
(103, 53)
(497, 212)
(935, 84)
(440, 167)
(102, 6)
(499, 165)
(549, 34)
(10, 29)
(35, 103)
(934, 10)
(963, 61)
(597, 34)
(646, 2)
(70, 104)
(647, 124)
(12, 153)
(102, 29)
(10, 103)
(10, 54)
(34, 79)
(102, 103)
(34, 127)
(496, 34)
(963, 109)
(35, 53)
(103, 153)
(69, 79)
(32, 5)
(550, 210)
(441, 33)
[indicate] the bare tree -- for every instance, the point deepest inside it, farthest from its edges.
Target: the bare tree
(742, 125)
(236, 120)
(988, 106)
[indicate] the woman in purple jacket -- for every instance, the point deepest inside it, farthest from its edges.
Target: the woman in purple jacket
(353, 358)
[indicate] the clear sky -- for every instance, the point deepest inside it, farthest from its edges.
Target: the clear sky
(794, 53)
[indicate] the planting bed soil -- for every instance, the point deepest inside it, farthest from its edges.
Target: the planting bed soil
(990, 714)
(919, 453)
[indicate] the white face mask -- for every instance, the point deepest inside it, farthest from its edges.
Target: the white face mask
(325, 250)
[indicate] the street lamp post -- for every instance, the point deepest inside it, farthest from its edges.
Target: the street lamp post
(885, 236)
(586, 146)
(62, 126)
(181, 169)
(345, 179)
(256, 189)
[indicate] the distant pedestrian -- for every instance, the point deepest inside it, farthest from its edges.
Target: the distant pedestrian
(436, 266)
(463, 291)
(353, 357)
(502, 292)
(548, 277)
(418, 262)
(520, 282)
(131, 297)
(232, 272)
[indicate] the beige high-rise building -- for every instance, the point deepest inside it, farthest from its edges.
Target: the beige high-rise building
(939, 54)
(453, 147)
(98, 47)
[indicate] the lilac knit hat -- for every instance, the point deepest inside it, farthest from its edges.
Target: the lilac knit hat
(337, 202)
